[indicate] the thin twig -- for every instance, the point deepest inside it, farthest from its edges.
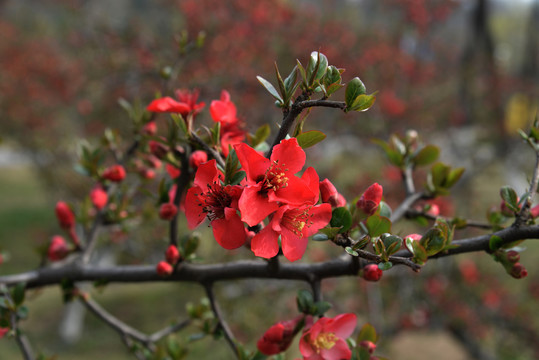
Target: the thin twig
(316, 289)
(229, 337)
(410, 200)
(523, 214)
(158, 335)
(20, 338)
(209, 149)
(393, 259)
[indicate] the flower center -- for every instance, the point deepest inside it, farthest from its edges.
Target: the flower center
(275, 178)
(296, 220)
(324, 341)
(215, 200)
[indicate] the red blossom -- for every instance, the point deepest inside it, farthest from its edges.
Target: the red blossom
(99, 197)
(370, 199)
(326, 339)
(190, 99)
(372, 272)
(164, 269)
(197, 157)
(272, 181)
(115, 173)
(172, 171)
(169, 105)
(167, 211)
(172, 255)
(150, 128)
(57, 249)
(224, 110)
(330, 194)
(278, 337)
(65, 216)
(208, 198)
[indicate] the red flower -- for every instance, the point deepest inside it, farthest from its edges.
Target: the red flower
(172, 171)
(99, 197)
(278, 337)
(167, 211)
(326, 339)
(372, 272)
(197, 157)
(270, 181)
(370, 199)
(190, 99)
(164, 269)
(65, 216)
(172, 255)
(224, 110)
(57, 249)
(209, 198)
(115, 173)
(168, 104)
(330, 194)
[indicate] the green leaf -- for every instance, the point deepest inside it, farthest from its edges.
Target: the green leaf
(237, 177)
(354, 88)
(495, 242)
(22, 312)
(266, 84)
(426, 155)
(280, 81)
(18, 293)
(260, 135)
(310, 138)
(385, 210)
(378, 225)
(317, 67)
(367, 333)
(180, 122)
(439, 173)
(330, 232)
(453, 176)
(320, 237)
(392, 243)
(510, 197)
(385, 265)
(351, 251)
(363, 103)
(420, 254)
(290, 83)
(433, 241)
(231, 166)
(341, 218)
(304, 301)
(321, 307)
(364, 241)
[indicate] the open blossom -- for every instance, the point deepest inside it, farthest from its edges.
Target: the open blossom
(326, 339)
(273, 180)
(370, 200)
(65, 216)
(185, 105)
(208, 198)
(278, 337)
(224, 111)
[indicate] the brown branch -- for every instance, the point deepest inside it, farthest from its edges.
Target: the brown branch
(406, 205)
(393, 259)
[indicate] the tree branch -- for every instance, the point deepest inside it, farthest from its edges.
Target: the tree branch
(208, 148)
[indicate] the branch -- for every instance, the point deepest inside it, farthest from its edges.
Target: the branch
(523, 214)
(410, 200)
(393, 259)
(22, 340)
(229, 337)
(209, 149)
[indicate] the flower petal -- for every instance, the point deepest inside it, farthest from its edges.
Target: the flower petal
(254, 164)
(207, 173)
(289, 155)
(319, 216)
(230, 231)
(265, 244)
(311, 178)
(339, 351)
(193, 207)
(343, 325)
(293, 245)
(254, 207)
(297, 192)
(167, 104)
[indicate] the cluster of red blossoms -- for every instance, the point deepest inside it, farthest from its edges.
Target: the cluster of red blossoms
(323, 340)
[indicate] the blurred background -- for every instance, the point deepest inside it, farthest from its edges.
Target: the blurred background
(463, 73)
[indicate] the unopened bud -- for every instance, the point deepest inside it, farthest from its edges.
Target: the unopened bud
(65, 216)
(150, 128)
(99, 197)
(164, 269)
(158, 149)
(513, 256)
(372, 272)
(369, 345)
(57, 249)
(518, 271)
(114, 173)
(370, 199)
(167, 211)
(172, 255)
(197, 157)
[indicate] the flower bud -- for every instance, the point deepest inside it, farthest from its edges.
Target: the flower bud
(150, 128)
(158, 149)
(115, 173)
(99, 197)
(197, 157)
(147, 174)
(330, 194)
(278, 337)
(57, 249)
(518, 271)
(164, 269)
(65, 216)
(372, 272)
(512, 256)
(369, 345)
(167, 211)
(370, 199)
(172, 171)
(414, 237)
(172, 255)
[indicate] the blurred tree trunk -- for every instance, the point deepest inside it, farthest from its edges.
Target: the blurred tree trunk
(479, 81)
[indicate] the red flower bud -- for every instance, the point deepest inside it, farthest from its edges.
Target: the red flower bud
(158, 149)
(278, 337)
(372, 272)
(172, 255)
(369, 345)
(115, 173)
(172, 171)
(57, 249)
(65, 216)
(167, 211)
(512, 256)
(197, 157)
(330, 194)
(370, 199)
(150, 128)
(99, 197)
(147, 174)
(164, 269)
(518, 271)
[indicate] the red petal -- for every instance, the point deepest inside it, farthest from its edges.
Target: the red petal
(254, 207)
(207, 173)
(320, 216)
(342, 325)
(229, 232)
(265, 244)
(339, 351)
(297, 192)
(293, 246)
(289, 155)
(310, 177)
(254, 164)
(167, 104)
(193, 208)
